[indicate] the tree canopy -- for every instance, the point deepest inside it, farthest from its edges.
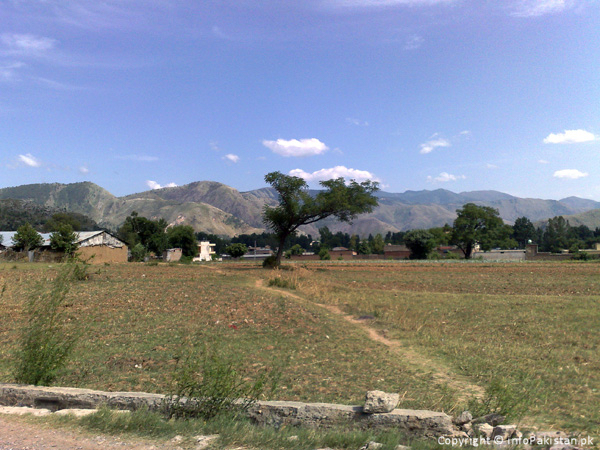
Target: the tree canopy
(420, 243)
(26, 238)
(476, 224)
(64, 239)
(298, 207)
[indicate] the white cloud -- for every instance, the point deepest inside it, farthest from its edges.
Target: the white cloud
(445, 177)
(154, 185)
(357, 122)
(570, 137)
(142, 158)
(432, 144)
(231, 157)
(536, 8)
(25, 44)
(543, 161)
(30, 160)
(295, 147)
(8, 71)
(334, 172)
(413, 42)
(570, 174)
(380, 3)
(84, 170)
(491, 166)
(218, 33)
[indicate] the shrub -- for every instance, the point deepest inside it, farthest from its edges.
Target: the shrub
(236, 250)
(44, 344)
(209, 385)
(324, 255)
(270, 262)
(282, 283)
(138, 252)
(502, 397)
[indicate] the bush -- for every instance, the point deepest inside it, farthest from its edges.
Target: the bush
(324, 255)
(282, 283)
(138, 252)
(44, 345)
(270, 262)
(236, 250)
(502, 397)
(209, 385)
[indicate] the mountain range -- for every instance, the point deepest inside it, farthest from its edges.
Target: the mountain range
(216, 208)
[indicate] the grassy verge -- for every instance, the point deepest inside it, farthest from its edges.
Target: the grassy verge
(232, 432)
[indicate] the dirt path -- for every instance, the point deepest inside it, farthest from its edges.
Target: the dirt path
(17, 434)
(440, 373)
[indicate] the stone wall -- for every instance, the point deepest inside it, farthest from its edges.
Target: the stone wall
(411, 422)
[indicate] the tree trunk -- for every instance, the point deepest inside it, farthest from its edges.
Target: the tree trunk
(468, 251)
(280, 250)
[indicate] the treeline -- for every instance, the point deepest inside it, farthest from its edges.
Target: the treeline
(16, 213)
(475, 225)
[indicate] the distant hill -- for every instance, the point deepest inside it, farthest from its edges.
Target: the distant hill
(14, 213)
(220, 209)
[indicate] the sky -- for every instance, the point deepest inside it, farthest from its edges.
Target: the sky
(415, 94)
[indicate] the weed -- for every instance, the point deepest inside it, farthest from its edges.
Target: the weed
(209, 385)
(282, 283)
(502, 397)
(44, 346)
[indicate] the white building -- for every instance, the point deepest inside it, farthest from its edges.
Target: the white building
(205, 251)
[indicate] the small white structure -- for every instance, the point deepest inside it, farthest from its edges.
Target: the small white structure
(205, 251)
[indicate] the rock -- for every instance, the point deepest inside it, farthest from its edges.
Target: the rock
(493, 419)
(177, 439)
(203, 442)
(403, 447)
(371, 446)
(484, 429)
(292, 438)
(464, 417)
(517, 435)
(22, 410)
(504, 431)
(563, 447)
(468, 428)
(75, 412)
(380, 402)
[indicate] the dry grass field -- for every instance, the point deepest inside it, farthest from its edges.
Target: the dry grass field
(445, 335)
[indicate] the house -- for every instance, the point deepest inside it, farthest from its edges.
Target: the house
(205, 251)
(391, 251)
(95, 246)
(172, 254)
(101, 246)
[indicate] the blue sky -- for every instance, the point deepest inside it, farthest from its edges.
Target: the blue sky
(417, 94)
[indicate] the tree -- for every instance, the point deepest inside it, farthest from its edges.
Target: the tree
(475, 224)
(295, 250)
(377, 244)
(183, 237)
(236, 250)
(26, 238)
(64, 239)
(420, 243)
(555, 237)
(364, 248)
(149, 233)
(523, 231)
(297, 207)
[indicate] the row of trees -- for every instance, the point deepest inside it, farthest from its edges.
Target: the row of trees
(145, 235)
(62, 239)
